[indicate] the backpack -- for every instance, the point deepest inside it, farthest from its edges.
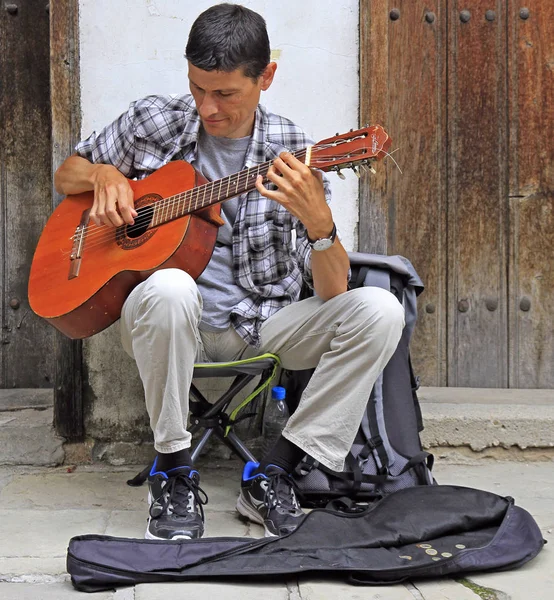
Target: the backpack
(387, 454)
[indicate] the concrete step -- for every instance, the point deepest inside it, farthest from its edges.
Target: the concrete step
(27, 434)
(482, 420)
(460, 423)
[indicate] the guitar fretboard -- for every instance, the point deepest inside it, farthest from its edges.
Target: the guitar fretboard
(179, 205)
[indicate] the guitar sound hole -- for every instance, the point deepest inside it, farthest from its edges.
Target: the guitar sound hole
(142, 222)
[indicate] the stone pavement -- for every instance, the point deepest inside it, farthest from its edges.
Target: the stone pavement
(41, 508)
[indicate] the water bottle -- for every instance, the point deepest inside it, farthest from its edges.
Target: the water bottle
(276, 415)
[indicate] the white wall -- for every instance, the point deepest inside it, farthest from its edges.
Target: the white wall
(131, 48)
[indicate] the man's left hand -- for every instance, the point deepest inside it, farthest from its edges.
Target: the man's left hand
(300, 190)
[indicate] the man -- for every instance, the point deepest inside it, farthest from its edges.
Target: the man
(245, 301)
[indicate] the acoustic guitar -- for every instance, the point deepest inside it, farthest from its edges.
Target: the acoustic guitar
(82, 273)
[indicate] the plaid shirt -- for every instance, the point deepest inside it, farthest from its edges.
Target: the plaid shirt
(267, 261)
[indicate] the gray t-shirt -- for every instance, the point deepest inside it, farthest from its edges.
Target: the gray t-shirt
(218, 157)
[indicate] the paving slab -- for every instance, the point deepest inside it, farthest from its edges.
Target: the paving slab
(45, 591)
(28, 438)
(22, 398)
(533, 581)
(28, 568)
(95, 489)
(530, 484)
(210, 590)
(445, 589)
(39, 536)
(127, 523)
(334, 590)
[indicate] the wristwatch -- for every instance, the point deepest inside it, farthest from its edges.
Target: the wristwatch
(324, 243)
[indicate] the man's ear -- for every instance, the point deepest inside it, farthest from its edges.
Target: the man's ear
(268, 75)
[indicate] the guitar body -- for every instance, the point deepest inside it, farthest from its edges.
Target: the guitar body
(83, 295)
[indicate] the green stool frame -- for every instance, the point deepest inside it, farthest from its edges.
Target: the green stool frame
(213, 418)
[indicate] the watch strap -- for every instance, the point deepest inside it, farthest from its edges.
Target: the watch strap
(331, 236)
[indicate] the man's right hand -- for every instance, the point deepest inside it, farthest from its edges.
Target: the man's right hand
(113, 196)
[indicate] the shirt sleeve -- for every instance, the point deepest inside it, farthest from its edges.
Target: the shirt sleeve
(303, 248)
(114, 145)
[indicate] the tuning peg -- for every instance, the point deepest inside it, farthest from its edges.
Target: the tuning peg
(370, 167)
(357, 171)
(340, 174)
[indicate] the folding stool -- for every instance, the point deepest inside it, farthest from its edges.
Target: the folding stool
(214, 418)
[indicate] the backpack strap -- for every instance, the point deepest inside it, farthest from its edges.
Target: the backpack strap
(374, 444)
(415, 386)
(344, 504)
(370, 428)
(417, 459)
(360, 277)
(421, 463)
(306, 465)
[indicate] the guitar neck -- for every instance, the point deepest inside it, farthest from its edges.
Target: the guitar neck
(185, 203)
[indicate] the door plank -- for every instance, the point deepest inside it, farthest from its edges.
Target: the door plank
(531, 112)
(27, 360)
(403, 83)
(374, 75)
(477, 193)
(66, 131)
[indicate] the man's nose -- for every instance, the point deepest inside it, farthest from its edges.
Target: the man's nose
(208, 107)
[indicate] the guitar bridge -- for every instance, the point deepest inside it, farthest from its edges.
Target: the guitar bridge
(78, 245)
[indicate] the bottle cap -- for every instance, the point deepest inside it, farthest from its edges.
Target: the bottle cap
(278, 393)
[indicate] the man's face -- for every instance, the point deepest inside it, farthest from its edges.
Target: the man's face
(226, 102)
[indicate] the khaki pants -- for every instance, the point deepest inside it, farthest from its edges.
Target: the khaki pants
(348, 340)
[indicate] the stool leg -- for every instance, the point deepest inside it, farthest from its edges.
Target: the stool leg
(201, 443)
(233, 442)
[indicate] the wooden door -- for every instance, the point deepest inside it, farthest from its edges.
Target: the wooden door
(466, 91)
(26, 352)
(40, 117)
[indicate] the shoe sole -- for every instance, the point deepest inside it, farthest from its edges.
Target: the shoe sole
(151, 536)
(252, 515)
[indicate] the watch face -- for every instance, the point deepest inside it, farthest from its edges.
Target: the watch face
(322, 244)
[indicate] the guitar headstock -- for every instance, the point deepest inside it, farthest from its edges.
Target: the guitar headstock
(350, 149)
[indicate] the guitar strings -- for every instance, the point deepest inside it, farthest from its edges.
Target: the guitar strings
(97, 234)
(390, 155)
(94, 235)
(187, 201)
(189, 198)
(190, 204)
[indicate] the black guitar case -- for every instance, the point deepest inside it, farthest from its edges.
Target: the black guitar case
(423, 531)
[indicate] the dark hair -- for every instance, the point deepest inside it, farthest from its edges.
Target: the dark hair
(228, 36)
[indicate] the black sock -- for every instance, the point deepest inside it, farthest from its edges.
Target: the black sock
(181, 458)
(284, 454)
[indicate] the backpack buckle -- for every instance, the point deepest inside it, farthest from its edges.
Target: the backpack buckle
(374, 442)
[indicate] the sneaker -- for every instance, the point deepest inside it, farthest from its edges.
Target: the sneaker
(269, 499)
(175, 499)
